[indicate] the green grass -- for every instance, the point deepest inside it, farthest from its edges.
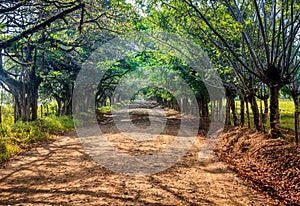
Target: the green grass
(7, 114)
(105, 109)
(286, 108)
(116, 106)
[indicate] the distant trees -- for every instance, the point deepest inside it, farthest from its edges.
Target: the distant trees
(163, 72)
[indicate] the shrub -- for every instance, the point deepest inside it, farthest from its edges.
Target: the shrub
(26, 134)
(4, 131)
(7, 149)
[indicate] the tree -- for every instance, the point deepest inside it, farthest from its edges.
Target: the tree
(293, 90)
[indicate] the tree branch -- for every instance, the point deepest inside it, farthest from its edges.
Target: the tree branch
(9, 42)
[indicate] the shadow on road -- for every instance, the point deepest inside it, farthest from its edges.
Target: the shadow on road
(61, 173)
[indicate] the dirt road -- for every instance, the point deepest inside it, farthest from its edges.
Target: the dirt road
(61, 173)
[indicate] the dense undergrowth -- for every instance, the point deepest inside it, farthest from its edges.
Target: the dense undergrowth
(22, 135)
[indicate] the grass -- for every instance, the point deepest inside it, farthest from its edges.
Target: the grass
(105, 109)
(116, 106)
(286, 108)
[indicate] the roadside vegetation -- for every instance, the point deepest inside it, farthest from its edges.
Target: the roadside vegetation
(20, 136)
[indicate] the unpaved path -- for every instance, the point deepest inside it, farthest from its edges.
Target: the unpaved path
(61, 173)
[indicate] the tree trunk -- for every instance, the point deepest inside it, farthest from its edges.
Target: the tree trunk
(204, 108)
(227, 119)
(214, 108)
(26, 92)
(69, 107)
(185, 105)
(242, 110)
(17, 109)
(25, 104)
(58, 112)
(42, 111)
(199, 101)
(297, 123)
(176, 106)
(34, 87)
(0, 114)
(247, 112)
(296, 117)
(274, 111)
(220, 114)
(67, 101)
(203, 112)
(255, 112)
(34, 101)
(266, 111)
(261, 113)
(234, 113)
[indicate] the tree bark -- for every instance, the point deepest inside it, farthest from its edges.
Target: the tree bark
(34, 102)
(58, 112)
(34, 89)
(0, 114)
(25, 92)
(220, 105)
(274, 111)
(297, 123)
(266, 111)
(247, 112)
(22, 105)
(185, 106)
(261, 113)
(203, 112)
(296, 100)
(67, 100)
(242, 99)
(234, 113)
(227, 119)
(255, 112)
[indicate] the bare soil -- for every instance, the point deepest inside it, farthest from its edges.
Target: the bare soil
(60, 172)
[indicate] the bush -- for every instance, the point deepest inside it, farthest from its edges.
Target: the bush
(20, 133)
(4, 131)
(2, 147)
(26, 134)
(7, 149)
(56, 124)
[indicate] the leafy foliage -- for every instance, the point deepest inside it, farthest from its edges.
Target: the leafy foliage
(22, 135)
